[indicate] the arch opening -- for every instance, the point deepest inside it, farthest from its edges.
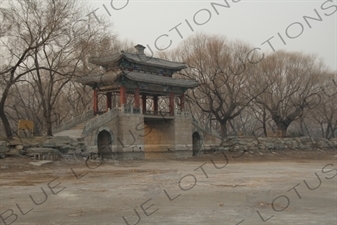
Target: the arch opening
(196, 145)
(104, 142)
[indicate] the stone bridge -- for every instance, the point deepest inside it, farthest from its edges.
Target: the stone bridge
(126, 134)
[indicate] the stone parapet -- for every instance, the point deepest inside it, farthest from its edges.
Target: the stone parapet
(72, 122)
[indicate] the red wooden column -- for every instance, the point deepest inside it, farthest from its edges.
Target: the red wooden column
(171, 105)
(182, 102)
(95, 102)
(122, 96)
(155, 104)
(137, 98)
(108, 101)
(144, 103)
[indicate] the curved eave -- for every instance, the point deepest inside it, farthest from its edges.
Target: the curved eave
(108, 79)
(156, 79)
(149, 61)
(138, 59)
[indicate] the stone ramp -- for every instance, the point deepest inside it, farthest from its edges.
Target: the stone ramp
(82, 129)
(75, 123)
(75, 132)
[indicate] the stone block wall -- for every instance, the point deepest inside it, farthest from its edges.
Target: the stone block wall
(130, 137)
(183, 133)
(158, 137)
(270, 143)
(91, 139)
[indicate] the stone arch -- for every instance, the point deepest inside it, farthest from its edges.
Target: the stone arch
(104, 142)
(196, 144)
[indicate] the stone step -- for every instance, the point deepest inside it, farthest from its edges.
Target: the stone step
(74, 132)
(79, 126)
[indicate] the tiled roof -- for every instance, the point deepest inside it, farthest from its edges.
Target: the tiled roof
(137, 58)
(157, 79)
(109, 78)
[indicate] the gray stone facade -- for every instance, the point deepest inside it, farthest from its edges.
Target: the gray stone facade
(139, 136)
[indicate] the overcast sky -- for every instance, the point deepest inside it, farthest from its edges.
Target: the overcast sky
(277, 24)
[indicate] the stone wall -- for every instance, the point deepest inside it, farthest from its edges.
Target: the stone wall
(91, 139)
(183, 135)
(271, 143)
(130, 136)
(127, 134)
(159, 138)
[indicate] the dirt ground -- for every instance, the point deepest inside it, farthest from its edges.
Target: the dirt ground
(281, 187)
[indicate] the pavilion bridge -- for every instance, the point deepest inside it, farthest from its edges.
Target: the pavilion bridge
(144, 114)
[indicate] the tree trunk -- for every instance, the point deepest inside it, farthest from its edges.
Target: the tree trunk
(329, 131)
(264, 121)
(3, 116)
(49, 125)
(5, 123)
(333, 133)
(283, 128)
(223, 126)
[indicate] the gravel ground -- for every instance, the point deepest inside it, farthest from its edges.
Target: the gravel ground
(284, 187)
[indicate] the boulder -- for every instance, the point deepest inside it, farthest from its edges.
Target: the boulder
(3, 147)
(19, 147)
(31, 151)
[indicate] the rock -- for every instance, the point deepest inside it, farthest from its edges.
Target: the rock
(322, 144)
(40, 150)
(261, 139)
(228, 144)
(75, 143)
(261, 146)
(238, 148)
(270, 146)
(19, 147)
(301, 146)
(219, 149)
(3, 147)
(48, 145)
(298, 139)
(279, 145)
(41, 162)
(309, 147)
(61, 140)
(14, 151)
(306, 139)
(250, 144)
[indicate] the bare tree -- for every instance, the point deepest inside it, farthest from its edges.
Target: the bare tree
(228, 81)
(295, 79)
(326, 112)
(45, 46)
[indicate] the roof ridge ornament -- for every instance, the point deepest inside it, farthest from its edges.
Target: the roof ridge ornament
(140, 49)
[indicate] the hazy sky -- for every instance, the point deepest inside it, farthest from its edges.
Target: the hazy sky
(286, 24)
